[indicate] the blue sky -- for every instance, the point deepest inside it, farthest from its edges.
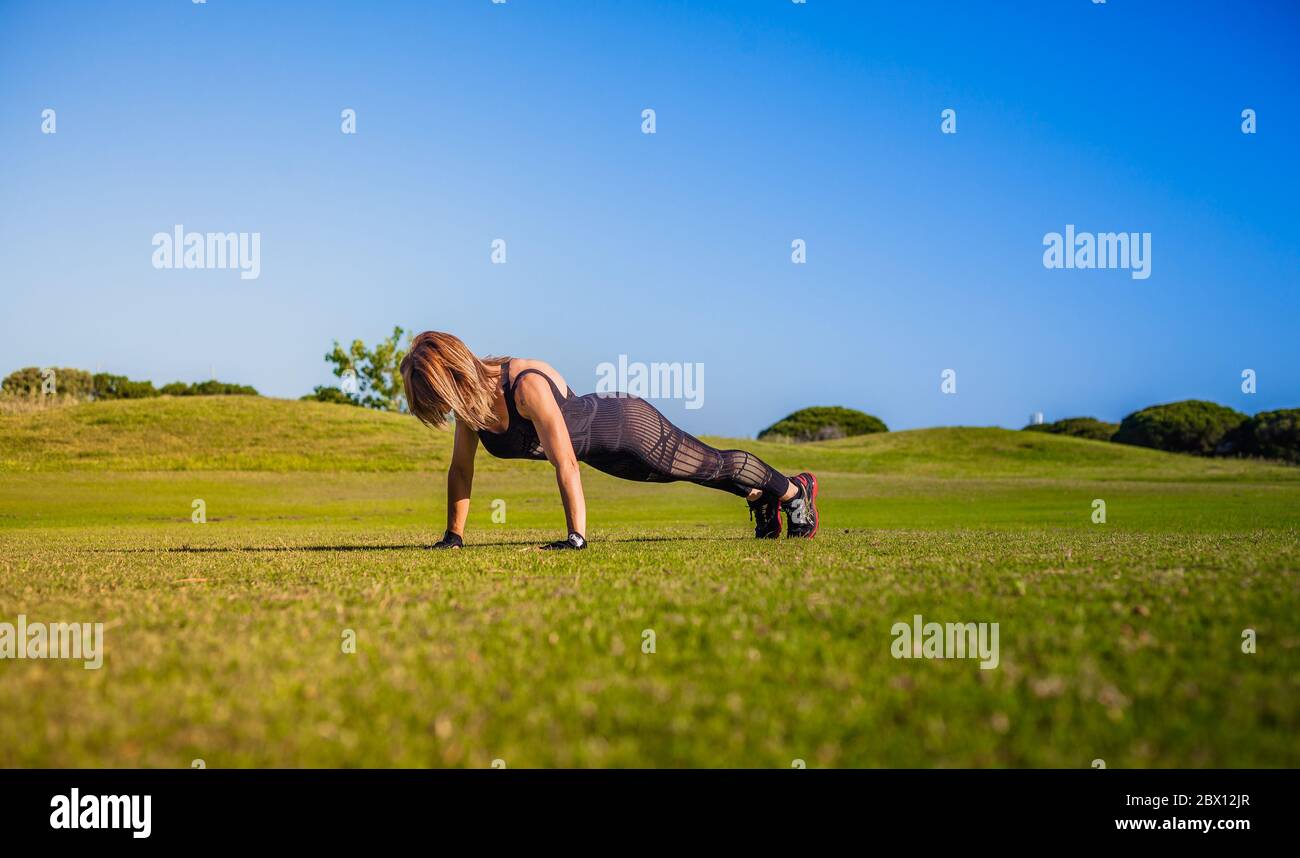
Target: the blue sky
(775, 121)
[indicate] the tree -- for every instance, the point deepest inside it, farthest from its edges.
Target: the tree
(1269, 435)
(377, 373)
(1189, 426)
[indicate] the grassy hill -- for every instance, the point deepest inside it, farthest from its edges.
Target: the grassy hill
(259, 434)
(1119, 641)
(224, 433)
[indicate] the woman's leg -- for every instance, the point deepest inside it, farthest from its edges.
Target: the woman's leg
(741, 473)
(631, 439)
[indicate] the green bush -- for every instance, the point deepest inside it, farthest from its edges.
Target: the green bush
(1077, 427)
(329, 394)
(1190, 426)
(222, 388)
(1267, 435)
(207, 388)
(82, 385)
(822, 423)
(27, 382)
(120, 387)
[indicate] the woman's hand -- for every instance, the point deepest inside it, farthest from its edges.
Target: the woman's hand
(534, 400)
(460, 480)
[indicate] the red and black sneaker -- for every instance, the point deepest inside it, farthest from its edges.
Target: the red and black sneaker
(801, 510)
(766, 513)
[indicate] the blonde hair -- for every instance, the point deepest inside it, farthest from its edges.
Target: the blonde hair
(442, 375)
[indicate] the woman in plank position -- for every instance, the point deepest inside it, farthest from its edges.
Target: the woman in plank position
(522, 409)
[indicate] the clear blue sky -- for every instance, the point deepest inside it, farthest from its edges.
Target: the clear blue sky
(775, 121)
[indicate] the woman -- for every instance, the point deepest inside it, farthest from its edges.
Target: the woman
(522, 409)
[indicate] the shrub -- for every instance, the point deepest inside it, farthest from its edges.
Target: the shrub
(120, 387)
(222, 388)
(1077, 427)
(1268, 435)
(67, 382)
(329, 394)
(78, 384)
(207, 388)
(820, 423)
(1190, 426)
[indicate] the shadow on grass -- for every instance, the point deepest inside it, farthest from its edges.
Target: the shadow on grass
(226, 549)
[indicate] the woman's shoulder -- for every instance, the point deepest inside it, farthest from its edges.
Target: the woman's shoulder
(519, 365)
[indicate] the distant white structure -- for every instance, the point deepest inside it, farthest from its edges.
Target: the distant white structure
(1036, 418)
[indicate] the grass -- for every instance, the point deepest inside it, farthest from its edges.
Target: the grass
(1119, 641)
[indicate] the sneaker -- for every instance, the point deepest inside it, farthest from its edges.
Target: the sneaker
(801, 510)
(766, 511)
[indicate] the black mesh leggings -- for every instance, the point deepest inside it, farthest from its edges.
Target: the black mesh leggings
(628, 437)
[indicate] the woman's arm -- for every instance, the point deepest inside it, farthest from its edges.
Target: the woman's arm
(534, 400)
(460, 482)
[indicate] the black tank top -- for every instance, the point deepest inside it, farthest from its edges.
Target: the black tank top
(519, 441)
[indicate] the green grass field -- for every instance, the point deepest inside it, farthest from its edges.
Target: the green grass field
(1119, 641)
